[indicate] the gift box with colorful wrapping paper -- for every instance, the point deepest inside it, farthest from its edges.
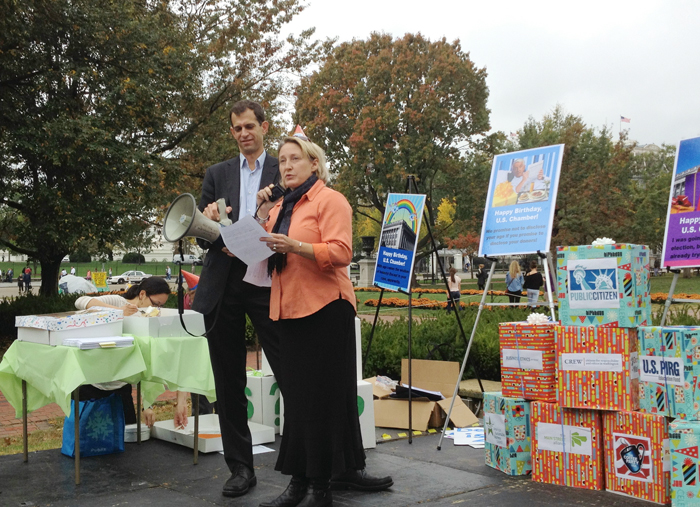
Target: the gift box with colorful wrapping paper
(567, 446)
(597, 368)
(507, 434)
(637, 455)
(528, 360)
(685, 484)
(604, 285)
(669, 367)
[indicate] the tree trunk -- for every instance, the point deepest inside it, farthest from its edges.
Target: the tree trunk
(49, 277)
(685, 273)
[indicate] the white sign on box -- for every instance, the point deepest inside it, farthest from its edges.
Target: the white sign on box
(591, 362)
(551, 437)
(523, 359)
(495, 429)
(661, 370)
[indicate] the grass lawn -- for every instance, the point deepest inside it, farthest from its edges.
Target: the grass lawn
(42, 440)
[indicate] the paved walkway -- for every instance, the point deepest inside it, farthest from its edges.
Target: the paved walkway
(40, 419)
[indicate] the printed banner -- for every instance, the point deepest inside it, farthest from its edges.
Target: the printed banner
(398, 240)
(591, 362)
(523, 359)
(681, 247)
(593, 283)
(551, 437)
(520, 202)
(99, 278)
(495, 429)
(662, 370)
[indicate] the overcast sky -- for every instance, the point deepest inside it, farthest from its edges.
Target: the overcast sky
(598, 59)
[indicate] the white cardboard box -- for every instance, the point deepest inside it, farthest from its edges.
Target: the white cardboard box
(264, 401)
(209, 433)
(365, 407)
(52, 329)
(168, 324)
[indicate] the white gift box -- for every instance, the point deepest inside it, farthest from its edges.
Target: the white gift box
(263, 401)
(167, 324)
(209, 433)
(53, 328)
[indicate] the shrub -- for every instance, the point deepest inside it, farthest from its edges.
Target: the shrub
(133, 258)
(439, 338)
(80, 256)
(31, 304)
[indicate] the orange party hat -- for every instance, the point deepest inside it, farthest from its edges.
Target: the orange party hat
(191, 279)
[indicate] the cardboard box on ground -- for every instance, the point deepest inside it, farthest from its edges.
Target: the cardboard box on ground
(439, 376)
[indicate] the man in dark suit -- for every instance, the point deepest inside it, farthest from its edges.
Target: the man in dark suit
(225, 299)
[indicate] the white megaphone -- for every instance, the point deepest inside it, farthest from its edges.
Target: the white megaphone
(184, 219)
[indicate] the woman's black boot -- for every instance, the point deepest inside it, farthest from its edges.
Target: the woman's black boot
(319, 494)
(292, 496)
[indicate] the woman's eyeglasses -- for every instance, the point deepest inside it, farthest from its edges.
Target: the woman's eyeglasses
(157, 305)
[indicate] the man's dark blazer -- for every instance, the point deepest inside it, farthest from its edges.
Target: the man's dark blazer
(223, 180)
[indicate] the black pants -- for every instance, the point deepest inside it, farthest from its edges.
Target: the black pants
(227, 349)
(513, 297)
(455, 295)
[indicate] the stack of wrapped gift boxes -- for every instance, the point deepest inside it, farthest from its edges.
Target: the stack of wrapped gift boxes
(601, 386)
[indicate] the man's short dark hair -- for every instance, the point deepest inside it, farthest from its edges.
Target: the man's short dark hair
(241, 106)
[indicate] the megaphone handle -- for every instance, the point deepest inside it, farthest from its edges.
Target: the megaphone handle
(221, 203)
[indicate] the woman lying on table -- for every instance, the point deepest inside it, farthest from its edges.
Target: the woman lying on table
(151, 292)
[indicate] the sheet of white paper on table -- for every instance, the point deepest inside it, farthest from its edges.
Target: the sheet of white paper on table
(473, 437)
(243, 240)
(256, 274)
(258, 449)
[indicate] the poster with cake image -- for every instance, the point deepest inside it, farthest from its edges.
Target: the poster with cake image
(520, 201)
(398, 241)
(681, 247)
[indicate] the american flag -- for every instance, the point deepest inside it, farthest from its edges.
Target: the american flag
(624, 120)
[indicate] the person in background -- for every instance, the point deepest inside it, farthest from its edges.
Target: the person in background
(514, 283)
(454, 284)
(481, 277)
(72, 270)
(20, 283)
(63, 272)
(150, 292)
(88, 276)
(167, 273)
(27, 280)
(533, 282)
(311, 237)
(109, 273)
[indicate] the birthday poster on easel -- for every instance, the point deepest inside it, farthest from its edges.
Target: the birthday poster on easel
(398, 241)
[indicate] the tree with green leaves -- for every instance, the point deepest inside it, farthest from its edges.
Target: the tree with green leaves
(386, 108)
(107, 107)
(594, 189)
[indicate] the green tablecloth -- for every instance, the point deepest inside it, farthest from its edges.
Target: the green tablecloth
(180, 362)
(53, 373)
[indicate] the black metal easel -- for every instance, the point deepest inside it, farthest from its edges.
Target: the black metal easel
(411, 185)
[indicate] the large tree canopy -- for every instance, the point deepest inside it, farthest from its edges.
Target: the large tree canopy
(100, 101)
(387, 108)
(604, 190)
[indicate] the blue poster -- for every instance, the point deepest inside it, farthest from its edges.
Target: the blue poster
(520, 202)
(398, 241)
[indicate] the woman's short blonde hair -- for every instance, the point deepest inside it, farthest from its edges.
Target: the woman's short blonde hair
(312, 151)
